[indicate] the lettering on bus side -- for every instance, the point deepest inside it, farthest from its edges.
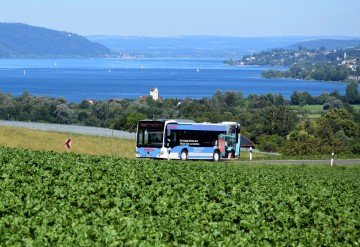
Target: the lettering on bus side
(189, 142)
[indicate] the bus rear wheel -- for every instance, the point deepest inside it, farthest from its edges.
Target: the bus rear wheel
(184, 155)
(216, 156)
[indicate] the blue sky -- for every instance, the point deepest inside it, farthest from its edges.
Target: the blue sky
(250, 18)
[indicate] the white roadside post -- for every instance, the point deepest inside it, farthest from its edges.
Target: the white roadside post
(332, 159)
(250, 153)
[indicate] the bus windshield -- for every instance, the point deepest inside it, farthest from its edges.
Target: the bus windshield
(150, 134)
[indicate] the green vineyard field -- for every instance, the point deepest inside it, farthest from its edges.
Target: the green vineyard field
(66, 199)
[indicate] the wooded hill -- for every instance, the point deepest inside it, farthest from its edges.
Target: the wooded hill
(329, 44)
(24, 41)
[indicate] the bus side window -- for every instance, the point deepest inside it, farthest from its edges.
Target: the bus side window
(172, 139)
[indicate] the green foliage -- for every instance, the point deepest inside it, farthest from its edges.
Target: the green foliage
(132, 119)
(301, 98)
(333, 132)
(272, 74)
(332, 103)
(270, 143)
(352, 95)
(64, 114)
(273, 121)
(262, 101)
(355, 146)
(342, 120)
(303, 144)
(77, 200)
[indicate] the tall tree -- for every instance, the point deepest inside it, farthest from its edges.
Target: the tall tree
(352, 95)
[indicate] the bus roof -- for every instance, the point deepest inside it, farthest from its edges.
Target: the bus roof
(169, 120)
(230, 123)
(179, 121)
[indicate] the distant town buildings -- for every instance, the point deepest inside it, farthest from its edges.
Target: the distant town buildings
(350, 63)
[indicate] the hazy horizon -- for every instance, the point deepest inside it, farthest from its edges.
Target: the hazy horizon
(224, 36)
(161, 18)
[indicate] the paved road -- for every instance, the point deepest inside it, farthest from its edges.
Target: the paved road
(86, 130)
(303, 162)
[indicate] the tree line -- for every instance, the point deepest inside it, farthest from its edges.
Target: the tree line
(318, 72)
(272, 122)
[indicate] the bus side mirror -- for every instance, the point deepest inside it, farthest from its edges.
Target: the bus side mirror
(237, 134)
(167, 143)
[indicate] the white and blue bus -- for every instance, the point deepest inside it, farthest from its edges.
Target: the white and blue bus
(185, 139)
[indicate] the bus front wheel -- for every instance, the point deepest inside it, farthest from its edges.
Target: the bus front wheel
(184, 155)
(216, 156)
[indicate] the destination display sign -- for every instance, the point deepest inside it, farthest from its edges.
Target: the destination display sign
(151, 125)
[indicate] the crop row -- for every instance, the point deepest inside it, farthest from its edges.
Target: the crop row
(50, 198)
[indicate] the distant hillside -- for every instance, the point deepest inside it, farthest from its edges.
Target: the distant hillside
(329, 44)
(193, 46)
(21, 40)
(198, 46)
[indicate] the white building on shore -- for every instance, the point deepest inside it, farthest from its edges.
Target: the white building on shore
(154, 93)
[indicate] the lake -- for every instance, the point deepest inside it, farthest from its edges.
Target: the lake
(101, 79)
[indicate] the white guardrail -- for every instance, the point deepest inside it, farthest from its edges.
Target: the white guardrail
(76, 129)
